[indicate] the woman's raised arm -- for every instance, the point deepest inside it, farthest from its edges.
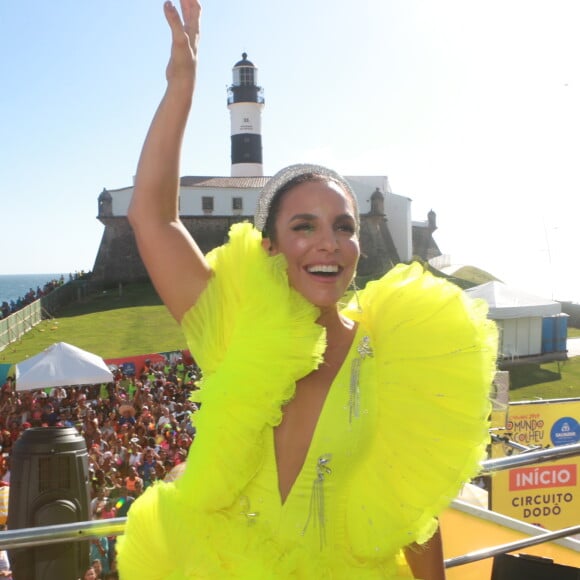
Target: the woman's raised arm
(173, 260)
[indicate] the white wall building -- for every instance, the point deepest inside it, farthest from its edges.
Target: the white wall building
(235, 196)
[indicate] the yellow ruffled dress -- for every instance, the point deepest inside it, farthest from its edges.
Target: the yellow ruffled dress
(403, 426)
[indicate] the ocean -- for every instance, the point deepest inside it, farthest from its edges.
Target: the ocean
(14, 286)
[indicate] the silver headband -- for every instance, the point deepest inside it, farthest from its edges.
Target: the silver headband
(288, 174)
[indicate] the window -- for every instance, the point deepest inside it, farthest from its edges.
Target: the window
(244, 76)
(237, 204)
(247, 76)
(207, 204)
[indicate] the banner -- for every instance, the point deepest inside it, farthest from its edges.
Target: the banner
(134, 365)
(547, 494)
(5, 369)
(130, 365)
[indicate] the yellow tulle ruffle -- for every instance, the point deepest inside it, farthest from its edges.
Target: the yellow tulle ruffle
(165, 541)
(254, 337)
(434, 359)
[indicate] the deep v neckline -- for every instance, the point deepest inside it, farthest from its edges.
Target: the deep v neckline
(317, 427)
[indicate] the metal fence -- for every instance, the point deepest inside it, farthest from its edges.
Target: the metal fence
(13, 327)
(18, 324)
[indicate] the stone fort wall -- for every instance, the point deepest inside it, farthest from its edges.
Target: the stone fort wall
(118, 259)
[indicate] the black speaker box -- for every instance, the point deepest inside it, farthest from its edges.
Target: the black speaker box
(49, 485)
(524, 567)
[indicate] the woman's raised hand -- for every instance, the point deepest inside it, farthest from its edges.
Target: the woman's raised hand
(184, 40)
(175, 264)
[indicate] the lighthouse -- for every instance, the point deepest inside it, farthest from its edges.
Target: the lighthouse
(245, 102)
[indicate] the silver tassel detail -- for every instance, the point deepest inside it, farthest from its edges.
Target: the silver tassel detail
(317, 507)
(364, 349)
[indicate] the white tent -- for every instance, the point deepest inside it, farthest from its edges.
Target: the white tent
(505, 302)
(61, 365)
(518, 315)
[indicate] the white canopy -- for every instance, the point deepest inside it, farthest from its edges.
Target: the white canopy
(61, 365)
(505, 302)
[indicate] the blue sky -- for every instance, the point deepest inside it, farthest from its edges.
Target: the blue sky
(471, 108)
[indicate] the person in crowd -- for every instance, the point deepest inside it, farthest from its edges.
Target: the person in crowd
(127, 415)
(107, 430)
(90, 574)
(97, 565)
(99, 552)
(50, 416)
(165, 418)
(6, 309)
(147, 467)
(329, 437)
(133, 482)
(5, 570)
(109, 511)
(5, 464)
(97, 503)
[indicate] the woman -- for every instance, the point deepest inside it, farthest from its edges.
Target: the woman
(328, 440)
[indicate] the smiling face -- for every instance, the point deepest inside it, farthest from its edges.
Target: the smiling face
(316, 230)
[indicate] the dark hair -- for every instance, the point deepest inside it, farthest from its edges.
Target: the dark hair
(269, 230)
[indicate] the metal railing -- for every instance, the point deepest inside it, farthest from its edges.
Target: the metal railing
(15, 326)
(74, 532)
(530, 457)
(510, 547)
(505, 440)
(527, 457)
(81, 531)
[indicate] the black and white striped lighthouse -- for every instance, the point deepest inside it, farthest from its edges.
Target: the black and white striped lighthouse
(245, 102)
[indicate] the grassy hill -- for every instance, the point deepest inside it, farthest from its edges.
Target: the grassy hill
(474, 275)
(114, 325)
(109, 324)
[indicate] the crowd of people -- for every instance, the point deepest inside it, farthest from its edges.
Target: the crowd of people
(138, 430)
(10, 307)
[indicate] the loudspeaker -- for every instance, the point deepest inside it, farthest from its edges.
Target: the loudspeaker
(524, 567)
(49, 485)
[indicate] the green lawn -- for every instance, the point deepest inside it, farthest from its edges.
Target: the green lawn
(113, 325)
(548, 381)
(108, 324)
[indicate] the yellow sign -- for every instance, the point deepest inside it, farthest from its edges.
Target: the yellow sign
(547, 494)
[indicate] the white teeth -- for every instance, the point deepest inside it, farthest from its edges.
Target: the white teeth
(323, 268)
